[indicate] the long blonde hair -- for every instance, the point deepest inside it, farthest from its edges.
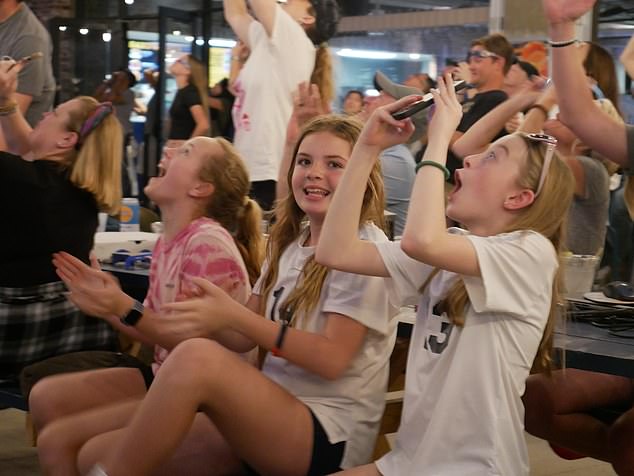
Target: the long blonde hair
(231, 206)
(547, 215)
(198, 79)
(96, 166)
(288, 227)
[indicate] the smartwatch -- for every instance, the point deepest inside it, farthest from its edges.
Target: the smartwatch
(134, 315)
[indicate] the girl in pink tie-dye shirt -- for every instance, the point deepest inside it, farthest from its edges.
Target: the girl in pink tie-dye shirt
(211, 231)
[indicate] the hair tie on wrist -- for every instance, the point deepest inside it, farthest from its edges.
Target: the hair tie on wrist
(438, 165)
(561, 44)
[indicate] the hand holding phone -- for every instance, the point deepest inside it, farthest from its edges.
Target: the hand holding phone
(428, 100)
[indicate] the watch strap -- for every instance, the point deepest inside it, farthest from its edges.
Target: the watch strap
(134, 315)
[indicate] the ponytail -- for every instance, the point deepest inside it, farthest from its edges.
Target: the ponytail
(322, 75)
(248, 238)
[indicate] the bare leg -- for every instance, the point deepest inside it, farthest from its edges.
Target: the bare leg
(555, 408)
(61, 395)
(203, 452)
(61, 440)
(621, 444)
(366, 470)
(263, 423)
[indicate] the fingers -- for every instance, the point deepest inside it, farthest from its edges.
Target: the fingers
(94, 262)
(205, 286)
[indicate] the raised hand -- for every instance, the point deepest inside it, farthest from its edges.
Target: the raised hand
(381, 130)
(448, 111)
(9, 69)
(94, 292)
(209, 309)
(564, 11)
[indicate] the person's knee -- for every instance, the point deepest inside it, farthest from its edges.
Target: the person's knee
(42, 403)
(538, 408)
(183, 366)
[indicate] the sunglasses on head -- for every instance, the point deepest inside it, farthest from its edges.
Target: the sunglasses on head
(480, 54)
(551, 144)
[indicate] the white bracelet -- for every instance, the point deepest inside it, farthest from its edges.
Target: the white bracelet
(561, 44)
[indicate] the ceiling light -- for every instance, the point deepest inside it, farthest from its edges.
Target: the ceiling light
(129, 2)
(176, 32)
(107, 36)
(189, 38)
(221, 43)
(200, 41)
(62, 28)
(83, 31)
(365, 54)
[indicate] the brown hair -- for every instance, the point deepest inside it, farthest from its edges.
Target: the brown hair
(326, 14)
(198, 79)
(498, 44)
(231, 206)
(546, 215)
(96, 166)
(288, 227)
(599, 65)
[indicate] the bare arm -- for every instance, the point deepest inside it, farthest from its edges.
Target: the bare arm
(15, 129)
(595, 128)
(238, 17)
(479, 136)
(425, 237)
(327, 354)
(201, 118)
(265, 11)
(627, 57)
(339, 245)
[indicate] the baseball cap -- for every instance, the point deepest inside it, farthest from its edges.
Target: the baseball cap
(398, 91)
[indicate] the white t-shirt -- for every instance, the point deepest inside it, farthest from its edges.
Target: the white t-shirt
(462, 412)
(264, 104)
(349, 408)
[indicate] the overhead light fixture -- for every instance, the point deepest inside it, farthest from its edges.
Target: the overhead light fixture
(366, 54)
(62, 28)
(414, 56)
(176, 32)
(189, 38)
(106, 37)
(221, 43)
(129, 2)
(200, 41)
(83, 31)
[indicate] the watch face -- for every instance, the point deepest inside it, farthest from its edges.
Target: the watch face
(132, 317)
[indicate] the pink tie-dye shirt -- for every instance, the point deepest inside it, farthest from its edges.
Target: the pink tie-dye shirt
(204, 249)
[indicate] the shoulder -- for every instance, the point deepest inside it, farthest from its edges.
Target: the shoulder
(523, 244)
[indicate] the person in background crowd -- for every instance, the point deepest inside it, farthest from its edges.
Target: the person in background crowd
(220, 104)
(421, 81)
(287, 41)
(189, 114)
(353, 102)
(21, 35)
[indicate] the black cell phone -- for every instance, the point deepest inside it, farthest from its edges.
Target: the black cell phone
(427, 101)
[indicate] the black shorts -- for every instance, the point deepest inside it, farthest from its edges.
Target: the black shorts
(326, 457)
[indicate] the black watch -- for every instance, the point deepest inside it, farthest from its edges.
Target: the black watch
(134, 315)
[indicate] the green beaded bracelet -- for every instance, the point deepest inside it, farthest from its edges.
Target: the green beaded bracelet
(438, 165)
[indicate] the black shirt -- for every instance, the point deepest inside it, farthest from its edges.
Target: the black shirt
(472, 111)
(43, 212)
(182, 122)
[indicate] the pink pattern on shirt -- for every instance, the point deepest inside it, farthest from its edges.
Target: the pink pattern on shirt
(204, 249)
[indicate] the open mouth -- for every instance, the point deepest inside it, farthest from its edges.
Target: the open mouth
(319, 192)
(161, 171)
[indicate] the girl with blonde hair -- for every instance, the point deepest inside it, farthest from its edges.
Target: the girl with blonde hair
(316, 404)
(487, 296)
(54, 180)
(189, 113)
(211, 231)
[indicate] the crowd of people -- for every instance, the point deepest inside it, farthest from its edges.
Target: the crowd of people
(271, 352)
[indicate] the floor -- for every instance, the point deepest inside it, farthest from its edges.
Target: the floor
(17, 458)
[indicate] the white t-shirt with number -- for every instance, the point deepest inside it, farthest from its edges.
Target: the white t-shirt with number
(264, 88)
(462, 412)
(350, 407)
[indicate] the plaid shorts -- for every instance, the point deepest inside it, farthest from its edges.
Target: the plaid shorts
(38, 322)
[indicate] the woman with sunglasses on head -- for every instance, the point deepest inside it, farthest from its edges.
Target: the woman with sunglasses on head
(189, 113)
(53, 181)
(487, 295)
(288, 45)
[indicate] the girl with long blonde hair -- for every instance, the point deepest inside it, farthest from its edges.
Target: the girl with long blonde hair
(211, 231)
(487, 296)
(55, 178)
(328, 333)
